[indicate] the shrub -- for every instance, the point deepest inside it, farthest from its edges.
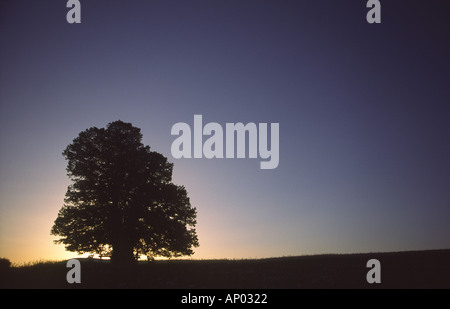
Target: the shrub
(4, 264)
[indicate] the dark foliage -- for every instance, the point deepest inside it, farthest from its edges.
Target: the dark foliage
(4, 264)
(122, 202)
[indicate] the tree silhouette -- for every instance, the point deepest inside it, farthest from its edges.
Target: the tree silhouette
(122, 202)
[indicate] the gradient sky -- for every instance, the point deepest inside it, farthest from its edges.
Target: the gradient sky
(363, 111)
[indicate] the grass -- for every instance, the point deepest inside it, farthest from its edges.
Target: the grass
(411, 269)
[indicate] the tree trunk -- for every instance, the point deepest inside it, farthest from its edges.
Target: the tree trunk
(122, 253)
(122, 247)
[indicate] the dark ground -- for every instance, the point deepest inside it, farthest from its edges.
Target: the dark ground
(412, 269)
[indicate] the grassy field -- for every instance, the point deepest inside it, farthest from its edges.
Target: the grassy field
(412, 269)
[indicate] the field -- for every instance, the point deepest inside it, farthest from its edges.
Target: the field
(412, 269)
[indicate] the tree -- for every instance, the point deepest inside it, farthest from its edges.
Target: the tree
(122, 202)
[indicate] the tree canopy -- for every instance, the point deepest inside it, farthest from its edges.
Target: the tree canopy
(122, 202)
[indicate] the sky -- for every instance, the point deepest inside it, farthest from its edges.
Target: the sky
(363, 111)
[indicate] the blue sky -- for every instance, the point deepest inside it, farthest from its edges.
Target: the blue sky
(363, 111)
